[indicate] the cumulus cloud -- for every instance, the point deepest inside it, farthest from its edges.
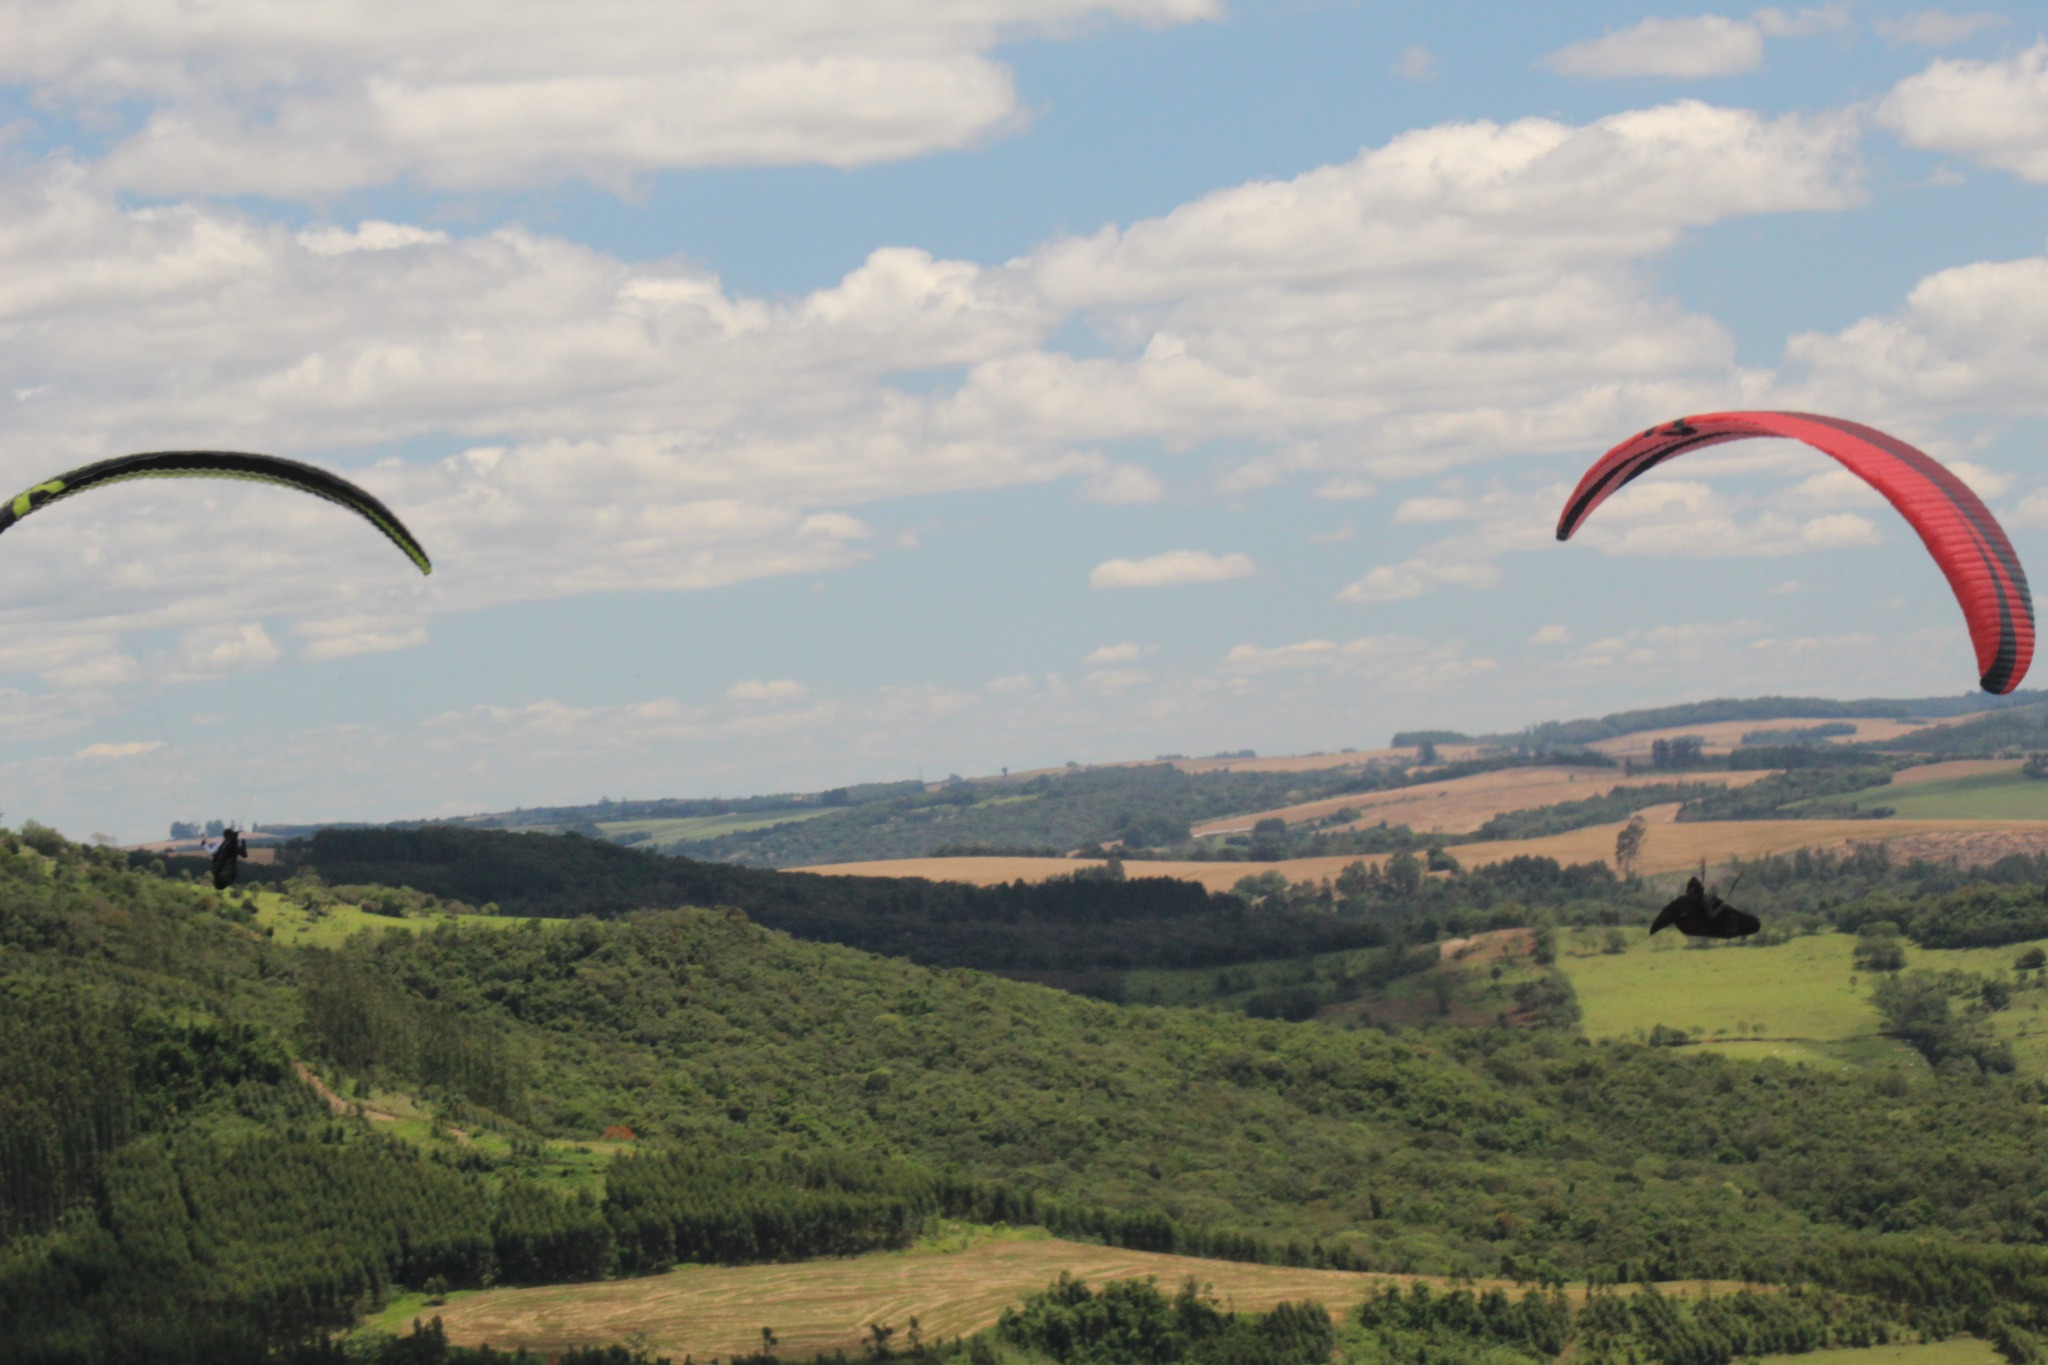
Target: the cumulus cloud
(1123, 483)
(1428, 509)
(339, 637)
(216, 651)
(241, 97)
(1459, 294)
(1172, 569)
(777, 689)
(1936, 28)
(1688, 518)
(1691, 48)
(1705, 45)
(1118, 654)
(131, 749)
(1401, 661)
(1551, 635)
(1967, 340)
(1414, 577)
(1993, 112)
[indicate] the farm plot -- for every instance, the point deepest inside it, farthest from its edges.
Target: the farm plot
(954, 1287)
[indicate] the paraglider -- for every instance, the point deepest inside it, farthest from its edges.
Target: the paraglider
(220, 464)
(227, 853)
(1958, 529)
(1701, 913)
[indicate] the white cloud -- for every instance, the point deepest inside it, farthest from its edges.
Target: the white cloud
(1994, 112)
(1460, 294)
(1838, 531)
(1172, 569)
(131, 749)
(1417, 63)
(1969, 340)
(1115, 679)
(2032, 511)
(1429, 509)
(777, 689)
(1984, 482)
(1414, 577)
(1123, 483)
(1661, 516)
(343, 636)
(216, 651)
(1401, 661)
(1694, 47)
(1118, 654)
(243, 97)
(1706, 45)
(1936, 28)
(1551, 635)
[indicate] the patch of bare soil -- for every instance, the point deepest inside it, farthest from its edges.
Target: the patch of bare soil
(1482, 949)
(1974, 848)
(336, 1102)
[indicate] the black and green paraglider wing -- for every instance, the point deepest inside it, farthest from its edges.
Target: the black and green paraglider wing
(220, 464)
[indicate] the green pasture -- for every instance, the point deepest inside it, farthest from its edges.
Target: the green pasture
(1987, 796)
(330, 926)
(692, 829)
(1800, 1001)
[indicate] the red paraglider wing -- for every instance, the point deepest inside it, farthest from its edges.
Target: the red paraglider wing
(1957, 528)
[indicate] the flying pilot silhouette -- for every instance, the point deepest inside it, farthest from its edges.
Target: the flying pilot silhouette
(1701, 913)
(226, 857)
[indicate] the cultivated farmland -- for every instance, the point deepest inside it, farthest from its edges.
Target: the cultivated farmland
(953, 1287)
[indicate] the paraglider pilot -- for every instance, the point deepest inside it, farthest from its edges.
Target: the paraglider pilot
(1701, 913)
(226, 857)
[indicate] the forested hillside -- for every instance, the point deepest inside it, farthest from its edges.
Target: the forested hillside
(186, 1192)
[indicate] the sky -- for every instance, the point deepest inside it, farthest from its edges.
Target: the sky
(795, 394)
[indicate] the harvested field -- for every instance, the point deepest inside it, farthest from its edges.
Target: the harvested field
(827, 1305)
(1954, 768)
(1723, 735)
(1972, 848)
(1466, 803)
(1667, 847)
(1674, 847)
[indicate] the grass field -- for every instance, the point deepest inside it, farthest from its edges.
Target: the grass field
(955, 1285)
(1797, 1001)
(2001, 793)
(292, 923)
(698, 827)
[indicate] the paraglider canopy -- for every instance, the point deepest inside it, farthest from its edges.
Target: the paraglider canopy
(1957, 528)
(220, 464)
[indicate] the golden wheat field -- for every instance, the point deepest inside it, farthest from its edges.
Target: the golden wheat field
(953, 1288)
(1667, 847)
(1466, 803)
(1718, 737)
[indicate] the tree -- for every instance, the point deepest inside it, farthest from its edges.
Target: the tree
(1628, 846)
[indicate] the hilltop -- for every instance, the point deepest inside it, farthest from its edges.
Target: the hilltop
(1176, 801)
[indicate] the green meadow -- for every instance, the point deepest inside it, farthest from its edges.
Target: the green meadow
(692, 829)
(1801, 1000)
(298, 925)
(2004, 795)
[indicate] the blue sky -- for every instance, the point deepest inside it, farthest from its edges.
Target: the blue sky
(949, 387)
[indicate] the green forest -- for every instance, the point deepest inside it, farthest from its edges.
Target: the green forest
(170, 1189)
